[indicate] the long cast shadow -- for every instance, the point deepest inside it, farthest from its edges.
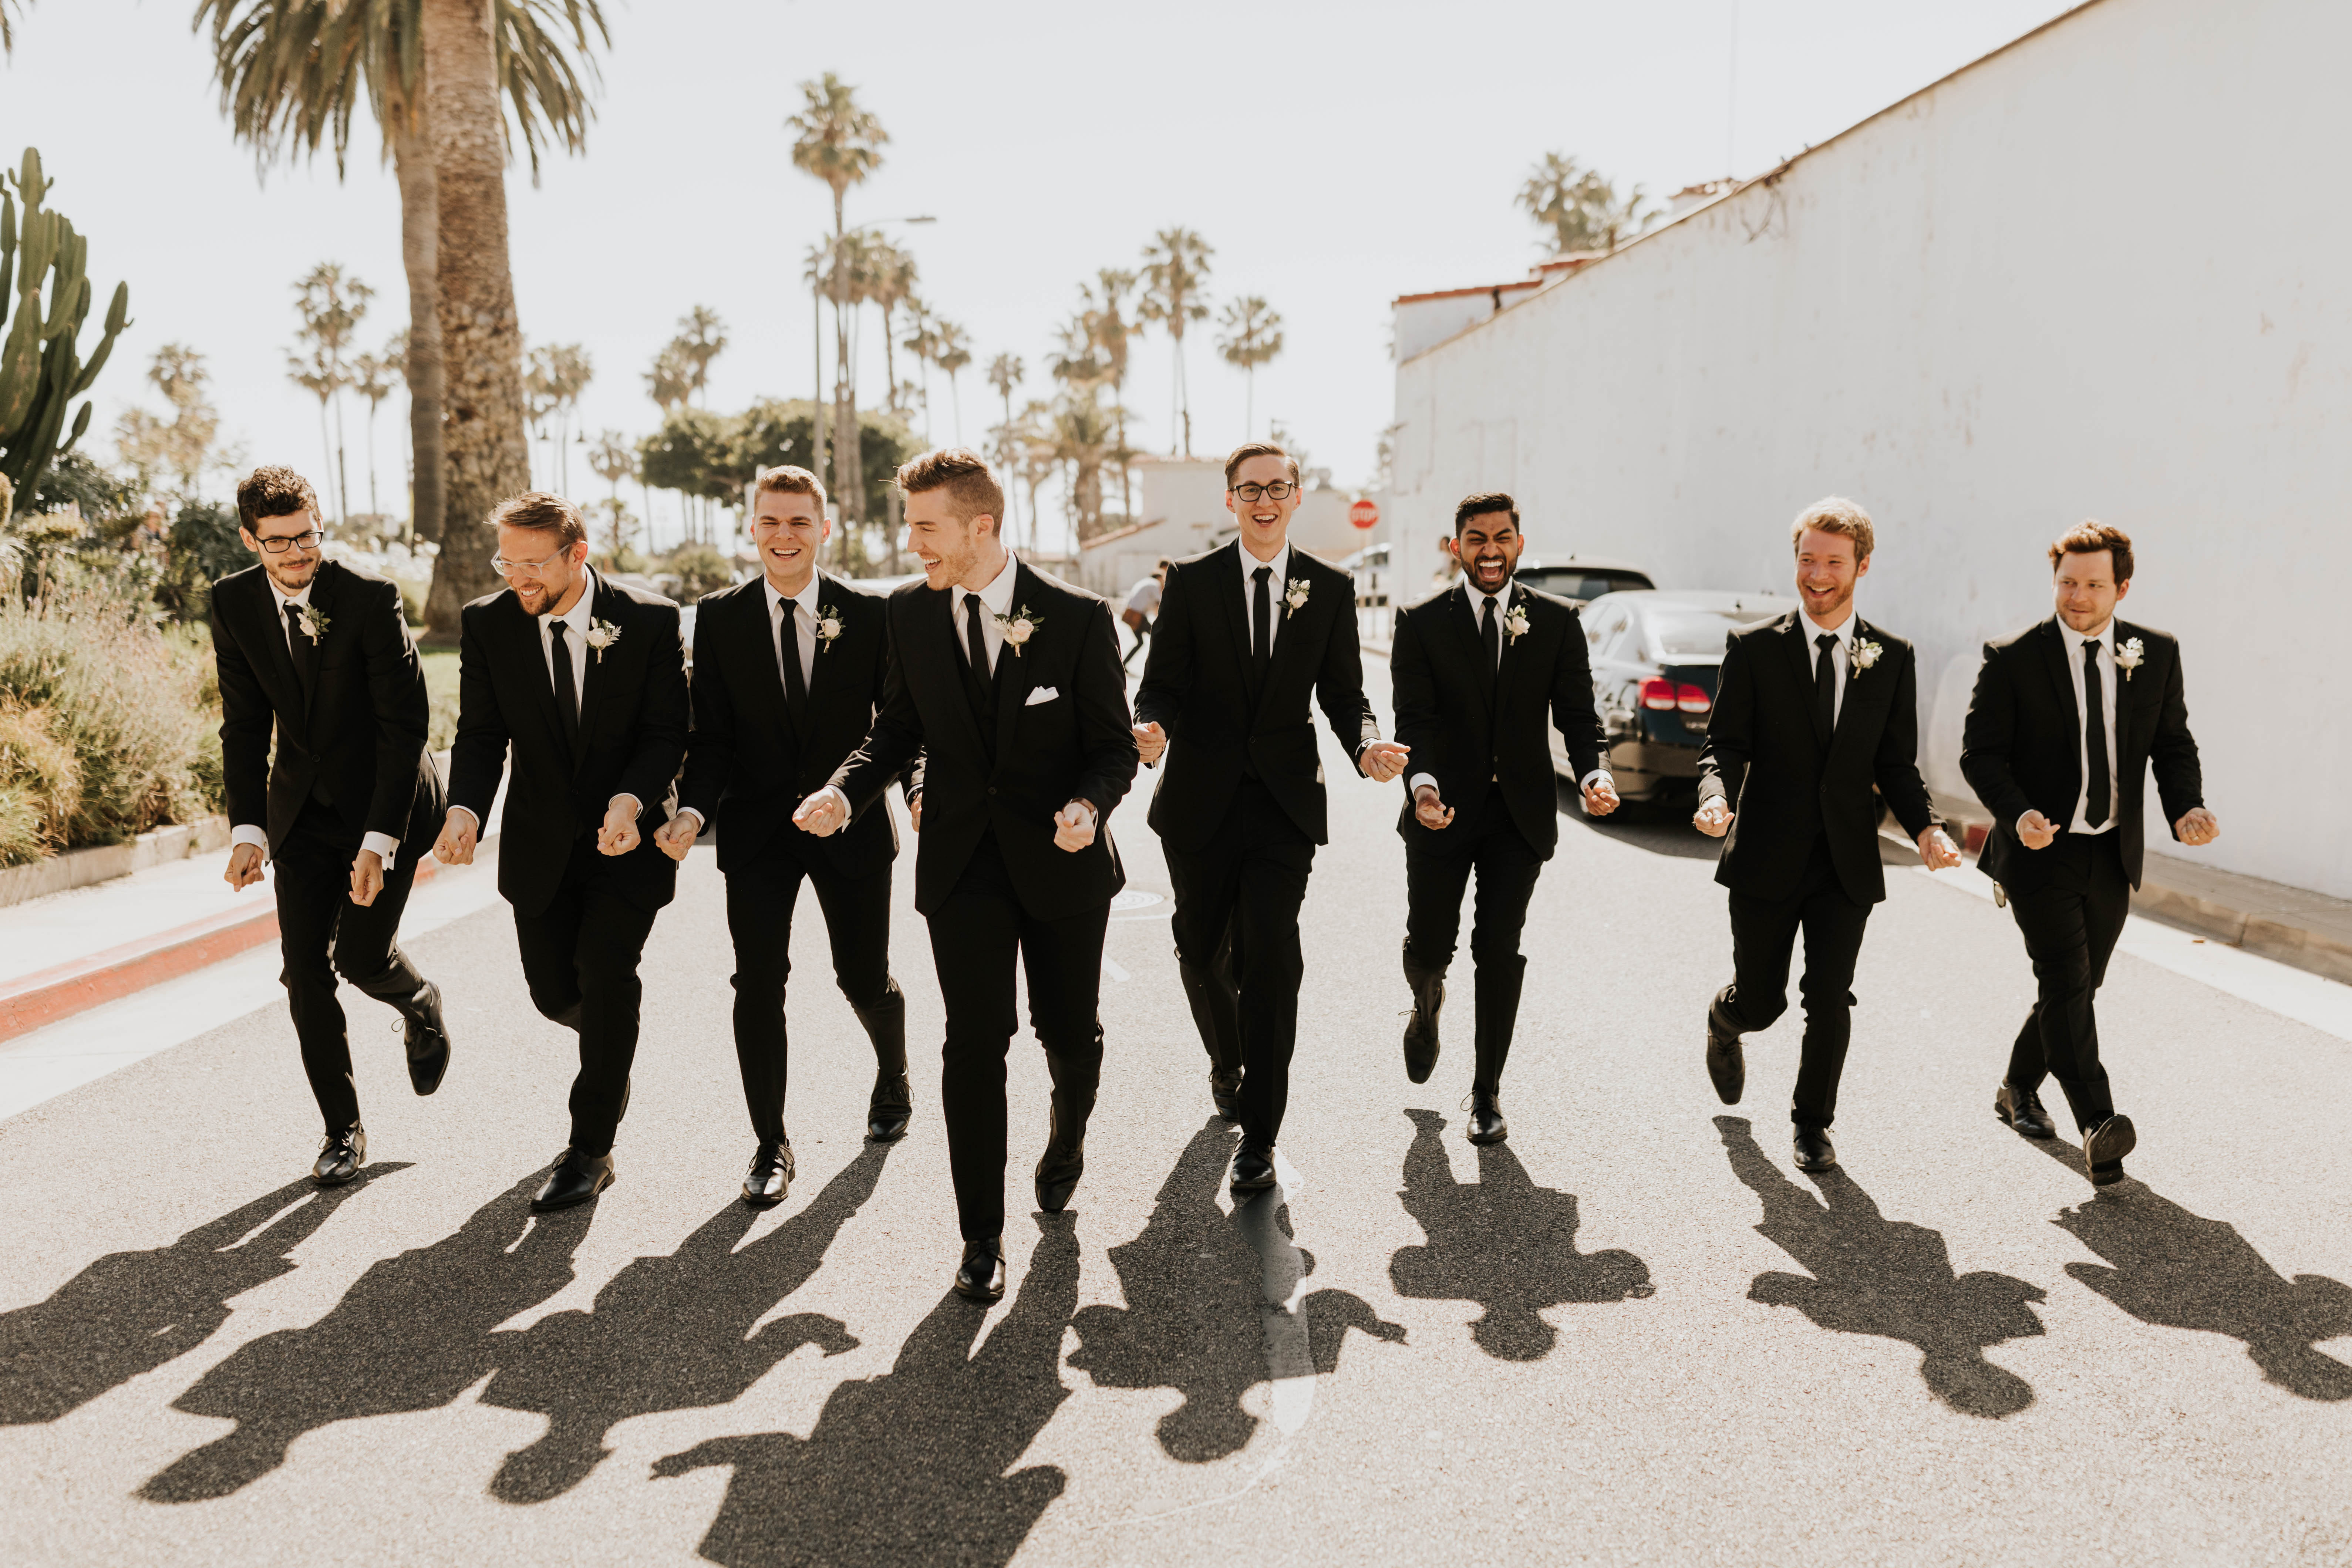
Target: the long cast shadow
(1890, 1279)
(1502, 1243)
(1198, 1284)
(916, 1466)
(669, 1334)
(2180, 1271)
(411, 1334)
(130, 1312)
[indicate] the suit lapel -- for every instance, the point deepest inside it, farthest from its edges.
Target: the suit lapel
(938, 612)
(1232, 574)
(605, 605)
(323, 597)
(1294, 643)
(2128, 702)
(2062, 679)
(1800, 660)
(759, 630)
(531, 649)
(1501, 686)
(1012, 667)
(819, 677)
(1855, 677)
(286, 687)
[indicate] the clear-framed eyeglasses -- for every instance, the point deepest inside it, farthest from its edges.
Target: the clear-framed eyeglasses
(279, 544)
(1281, 489)
(506, 568)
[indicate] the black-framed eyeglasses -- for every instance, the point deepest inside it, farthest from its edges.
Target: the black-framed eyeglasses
(279, 544)
(1281, 489)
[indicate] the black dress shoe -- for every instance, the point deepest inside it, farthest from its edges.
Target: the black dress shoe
(890, 1109)
(2021, 1109)
(1487, 1123)
(1813, 1151)
(1252, 1172)
(1225, 1094)
(980, 1276)
(1727, 1064)
(770, 1177)
(1421, 1041)
(575, 1179)
(1058, 1170)
(427, 1040)
(341, 1156)
(2104, 1146)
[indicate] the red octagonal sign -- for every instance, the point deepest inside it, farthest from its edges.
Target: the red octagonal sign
(1364, 514)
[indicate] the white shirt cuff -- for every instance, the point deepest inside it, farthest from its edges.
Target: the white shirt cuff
(385, 846)
(1413, 784)
(470, 817)
(2020, 825)
(245, 833)
(1598, 775)
(689, 811)
(636, 806)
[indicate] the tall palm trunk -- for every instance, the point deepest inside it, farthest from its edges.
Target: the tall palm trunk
(488, 454)
(420, 251)
(849, 459)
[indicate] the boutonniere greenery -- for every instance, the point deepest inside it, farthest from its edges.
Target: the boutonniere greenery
(313, 623)
(1865, 654)
(828, 625)
(2128, 656)
(1514, 623)
(1019, 626)
(601, 635)
(1294, 598)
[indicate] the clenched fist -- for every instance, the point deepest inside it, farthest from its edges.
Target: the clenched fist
(244, 867)
(823, 814)
(1714, 818)
(619, 834)
(1074, 826)
(1383, 760)
(1152, 741)
(676, 837)
(455, 845)
(367, 877)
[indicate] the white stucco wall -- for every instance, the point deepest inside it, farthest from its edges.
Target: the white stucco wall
(2106, 273)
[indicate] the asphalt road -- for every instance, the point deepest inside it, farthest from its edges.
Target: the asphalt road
(1631, 1334)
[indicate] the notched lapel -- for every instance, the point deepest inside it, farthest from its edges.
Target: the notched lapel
(936, 610)
(1295, 636)
(2062, 679)
(284, 686)
(1015, 669)
(1224, 580)
(607, 605)
(324, 595)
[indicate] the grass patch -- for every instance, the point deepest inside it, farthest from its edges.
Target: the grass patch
(441, 689)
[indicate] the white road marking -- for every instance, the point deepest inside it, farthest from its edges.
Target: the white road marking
(1111, 967)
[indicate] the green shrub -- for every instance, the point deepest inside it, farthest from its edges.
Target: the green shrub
(21, 842)
(699, 570)
(41, 784)
(203, 548)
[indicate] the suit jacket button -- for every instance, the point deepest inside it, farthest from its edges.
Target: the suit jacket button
(992, 789)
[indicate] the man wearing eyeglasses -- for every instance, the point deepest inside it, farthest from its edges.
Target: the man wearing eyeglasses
(320, 653)
(584, 678)
(1246, 633)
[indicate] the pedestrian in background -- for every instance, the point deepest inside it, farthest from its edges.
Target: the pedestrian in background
(1143, 604)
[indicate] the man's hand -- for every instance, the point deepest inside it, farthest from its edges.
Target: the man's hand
(1152, 741)
(1936, 851)
(1713, 818)
(1428, 810)
(915, 811)
(2198, 826)
(823, 814)
(676, 837)
(367, 877)
(1383, 760)
(1074, 826)
(619, 834)
(455, 845)
(2036, 831)
(1600, 797)
(244, 867)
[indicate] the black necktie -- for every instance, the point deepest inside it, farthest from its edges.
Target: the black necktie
(1262, 621)
(567, 695)
(788, 651)
(305, 651)
(1825, 688)
(984, 691)
(1493, 633)
(2095, 739)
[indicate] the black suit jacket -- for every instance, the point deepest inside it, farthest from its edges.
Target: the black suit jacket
(1074, 746)
(357, 742)
(748, 764)
(1465, 726)
(1763, 759)
(633, 727)
(2021, 749)
(1198, 687)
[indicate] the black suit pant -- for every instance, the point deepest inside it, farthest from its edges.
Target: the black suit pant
(2070, 918)
(1763, 938)
(978, 933)
(1437, 870)
(321, 934)
(1247, 885)
(761, 898)
(580, 958)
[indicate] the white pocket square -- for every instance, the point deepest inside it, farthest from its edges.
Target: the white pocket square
(1043, 694)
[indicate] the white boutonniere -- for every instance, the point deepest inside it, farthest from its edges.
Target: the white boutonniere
(1294, 598)
(600, 636)
(1865, 654)
(1514, 623)
(2128, 656)
(828, 625)
(313, 624)
(1019, 626)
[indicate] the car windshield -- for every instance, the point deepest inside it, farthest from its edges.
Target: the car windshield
(1684, 633)
(1574, 582)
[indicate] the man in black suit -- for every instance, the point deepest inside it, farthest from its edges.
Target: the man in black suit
(585, 681)
(321, 654)
(2067, 718)
(1006, 682)
(788, 673)
(1246, 632)
(1476, 668)
(1811, 710)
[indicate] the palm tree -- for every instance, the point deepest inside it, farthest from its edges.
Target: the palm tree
(922, 342)
(1252, 335)
(701, 338)
(1175, 270)
(840, 142)
(1080, 435)
(1579, 209)
(613, 459)
(330, 303)
(291, 72)
(372, 378)
(951, 352)
(890, 282)
(1106, 321)
(1004, 372)
(315, 374)
(8, 8)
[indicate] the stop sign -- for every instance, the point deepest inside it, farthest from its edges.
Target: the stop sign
(1363, 513)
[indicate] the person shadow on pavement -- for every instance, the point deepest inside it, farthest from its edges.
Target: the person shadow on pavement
(411, 1334)
(913, 1466)
(131, 1312)
(1869, 1275)
(1199, 1282)
(669, 1334)
(2180, 1271)
(1502, 1243)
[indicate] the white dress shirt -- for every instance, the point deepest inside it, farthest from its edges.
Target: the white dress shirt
(1482, 605)
(2104, 638)
(384, 844)
(1275, 587)
(801, 607)
(1841, 656)
(997, 600)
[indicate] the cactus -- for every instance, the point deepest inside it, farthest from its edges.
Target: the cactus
(41, 367)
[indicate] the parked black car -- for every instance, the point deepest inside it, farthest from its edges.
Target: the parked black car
(1656, 655)
(1580, 578)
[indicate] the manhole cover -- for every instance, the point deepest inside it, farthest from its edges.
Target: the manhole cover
(1132, 899)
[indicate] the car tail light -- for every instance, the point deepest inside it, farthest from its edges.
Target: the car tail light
(1691, 700)
(1658, 694)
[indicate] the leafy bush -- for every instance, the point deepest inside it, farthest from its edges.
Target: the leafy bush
(41, 782)
(699, 570)
(202, 549)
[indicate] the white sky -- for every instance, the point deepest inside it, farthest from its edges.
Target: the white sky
(1334, 154)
